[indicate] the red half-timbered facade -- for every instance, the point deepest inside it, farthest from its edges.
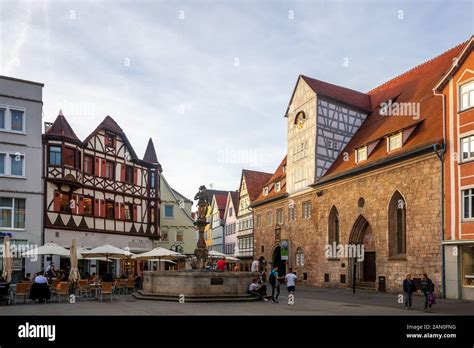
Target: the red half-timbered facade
(98, 191)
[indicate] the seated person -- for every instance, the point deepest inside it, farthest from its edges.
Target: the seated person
(40, 289)
(221, 265)
(258, 289)
(40, 279)
(94, 278)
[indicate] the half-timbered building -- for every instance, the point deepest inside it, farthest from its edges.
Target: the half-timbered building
(98, 191)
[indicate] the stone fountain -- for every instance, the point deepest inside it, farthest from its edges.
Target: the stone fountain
(198, 284)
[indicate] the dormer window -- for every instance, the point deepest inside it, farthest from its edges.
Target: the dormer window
(466, 93)
(361, 154)
(394, 142)
(109, 139)
(277, 186)
(265, 191)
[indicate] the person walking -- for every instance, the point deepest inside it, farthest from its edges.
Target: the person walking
(290, 279)
(409, 288)
(274, 280)
(427, 288)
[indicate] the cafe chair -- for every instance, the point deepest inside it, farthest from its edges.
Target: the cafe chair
(106, 289)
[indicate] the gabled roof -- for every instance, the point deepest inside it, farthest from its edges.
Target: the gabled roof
(278, 176)
(234, 196)
(414, 86)
(61, 128)
(210, 194)
(255, 181)
(221, 200)
(345, 95)
(150, 154)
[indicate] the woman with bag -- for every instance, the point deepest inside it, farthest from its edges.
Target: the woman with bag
(427, 288)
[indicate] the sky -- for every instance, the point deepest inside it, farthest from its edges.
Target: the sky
(209, 81)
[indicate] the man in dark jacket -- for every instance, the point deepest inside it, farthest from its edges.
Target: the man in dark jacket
(427, 288)
(409, 288)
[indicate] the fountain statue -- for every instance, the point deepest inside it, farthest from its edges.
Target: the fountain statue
(201, 251)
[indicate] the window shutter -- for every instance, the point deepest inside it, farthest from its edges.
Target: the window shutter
(56, 202)
(135, 213)
(102, 208)
(97, 207)
(117, 211)
(103, 168)
(97, 166)
(122, 211)
(122, 172)
(81, 205)
(135, 176)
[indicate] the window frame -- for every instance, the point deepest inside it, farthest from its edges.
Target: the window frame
(471, 204)
(130, 210)
(13, 213)
(84, 198)
(398, 135)
(60, 154)
(129, 174)
(74, 156)
(61, 207)
(470, 103)
(109, 213)
(176, 237)
(91, 172)
(306, 210)
(358, 154)
(23, 165)
(172, 211)
(107, 168)
(278, 186)
(469, 138)
(269, 218)
(279, 216)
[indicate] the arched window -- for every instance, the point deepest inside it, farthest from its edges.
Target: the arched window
(299, 257)
(397, 225)
(333, 227)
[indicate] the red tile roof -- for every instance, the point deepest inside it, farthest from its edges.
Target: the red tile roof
(345, 95)
(279, 175)
(234, 195)
(255, 181)
(61, 127)
(413, 86)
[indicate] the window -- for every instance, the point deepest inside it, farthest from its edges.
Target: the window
(109, 210)
(2, 118)
(277, 186)
(152, 215)
(466, 93)
(64, 203)
(265, 191)
(299, 151)
(333, 227)
(109, 170)
(306, 210)
(88, 206)
(129, 174)
(152, 179)
(291, 213)
(467, 148)
(397, 225)
(361, 154)
(109, 140)
(55, 155)
(394, 142)
(259, 220)
(299, 257)
(2, 164)
(179, 236)
(168, 211)
(164, 236)
(128, 212)
(279, 216)
(467, 264)
(12, 212)
(17, 120)
(89, 165)
(69, 158)
(16, 164)
(468, 204)
(230, 211)
(269, 218)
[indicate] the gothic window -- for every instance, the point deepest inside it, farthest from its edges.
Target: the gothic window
(397, 225)
(333, 228)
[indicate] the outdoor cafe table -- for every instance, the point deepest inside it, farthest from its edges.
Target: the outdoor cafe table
(96, 288)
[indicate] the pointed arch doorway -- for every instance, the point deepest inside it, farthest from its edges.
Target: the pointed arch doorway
(366, 270)
(277, 261)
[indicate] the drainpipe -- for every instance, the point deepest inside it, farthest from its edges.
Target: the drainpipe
(440, 151)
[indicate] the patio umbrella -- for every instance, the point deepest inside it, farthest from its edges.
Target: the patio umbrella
(158, 253)
(217, 255)
(7, 260)
(47, 249)
(107, 251)
(74, 275)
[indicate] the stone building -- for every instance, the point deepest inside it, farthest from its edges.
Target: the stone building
(363, 183)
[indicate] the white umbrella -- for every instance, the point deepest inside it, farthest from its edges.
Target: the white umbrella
(7, 260)
(74, 271)
(168, 261)
(47, 249)
(107, 251)
(158, 253)
(217, 255)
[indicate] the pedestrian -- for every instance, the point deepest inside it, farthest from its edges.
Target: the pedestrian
(274, 280)
(291, 285)
(258, 289)
(409, 288)
(221, 265)
(254, 266)
(237, 267)
(427, 288)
